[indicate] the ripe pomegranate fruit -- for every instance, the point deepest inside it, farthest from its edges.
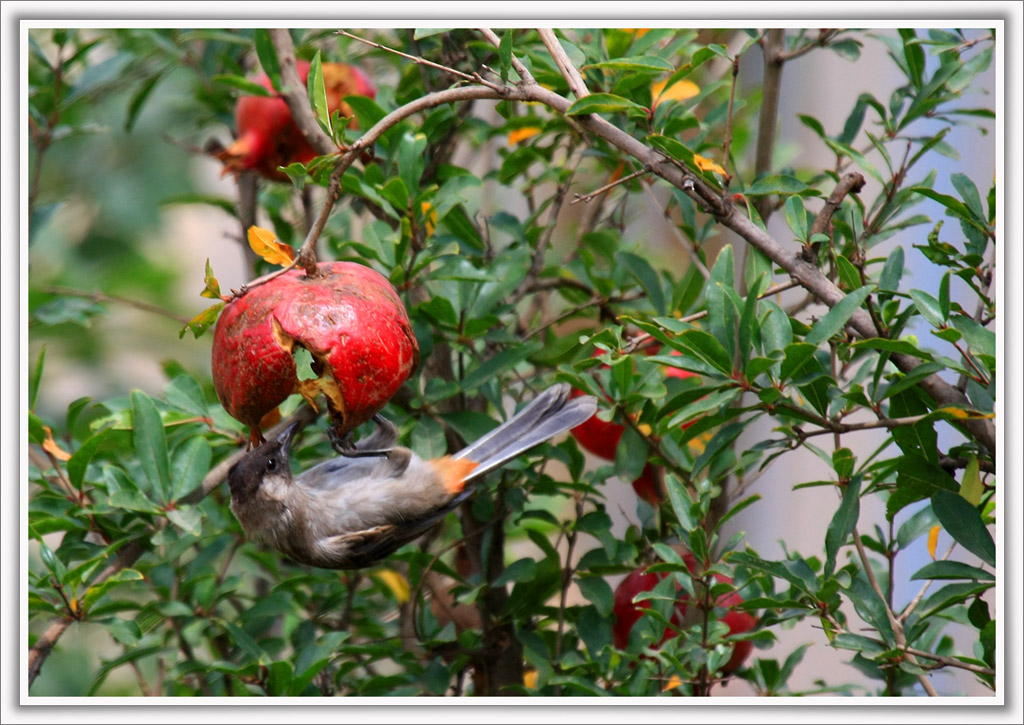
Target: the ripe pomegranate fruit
(639, 580)
(267, 134)
(351, 321)
(602, 438)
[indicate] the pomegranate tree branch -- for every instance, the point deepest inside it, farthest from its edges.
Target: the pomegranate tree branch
(773, 44)
(293, 91)
(850, 183)
(607, 187)
(569, 71)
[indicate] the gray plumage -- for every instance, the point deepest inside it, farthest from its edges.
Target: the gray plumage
(350, 512)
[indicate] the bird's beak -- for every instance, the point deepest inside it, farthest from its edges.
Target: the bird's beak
(285, 437)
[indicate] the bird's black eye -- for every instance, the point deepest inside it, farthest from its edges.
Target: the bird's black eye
(271, 464)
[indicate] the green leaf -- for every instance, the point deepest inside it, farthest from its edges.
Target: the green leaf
(880, 343)
(870, 607)
(598, 592)
(318, 95)
(79, 461)
(629, 465)
(519, 570)
(929, 307)
(92, 594)
(138, 100)
(411, 159)
(185, 393)
(956, 207)
(421, 33)
(972, 487)
(796, 356)
(702, 346)
(952, 570)
(36, 377)
(796, 217)
(203, 321)
(646, 276)
(796, 573)
(191, 464)
(892, 273)
(848, 273)
(979, 339)
(858, 643)
(781, 184)
(706, 403)
(245, 85)
(505, 54)
(969, 193)
(721, 314)
(917, 478)
(843, 522)
(151, 444)
(635, 64)
(501, 362)
(397, 194)
(602, 103)
(267, 54)
(838, 316)
(963, 522)
(681, 501)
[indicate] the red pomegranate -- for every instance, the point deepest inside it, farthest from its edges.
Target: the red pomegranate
(639, 580)
(267, 134)
(602, 438)
(351, 321)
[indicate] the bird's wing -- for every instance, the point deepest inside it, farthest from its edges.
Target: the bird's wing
(337, 472)
(358, 549)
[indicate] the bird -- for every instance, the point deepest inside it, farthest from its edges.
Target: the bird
(267, 134)
(354, 510)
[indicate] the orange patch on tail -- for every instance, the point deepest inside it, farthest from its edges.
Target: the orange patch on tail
(453, 472)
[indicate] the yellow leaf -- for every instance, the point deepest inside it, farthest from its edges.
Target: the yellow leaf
(679, 91)
(645, 429)
(521, 134)
(638, 32)
(530, 679)
(51, 447)
(707, 165)
(430, 217)
(394, 581)
(265, 244)
(672, 683)
(933, 540)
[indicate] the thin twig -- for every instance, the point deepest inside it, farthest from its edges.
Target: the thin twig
(894, 622)
(824, 36)
(475, 77)
(569, 71)
(102, 297)
(597, 192)
(924, 589)
(849, 184)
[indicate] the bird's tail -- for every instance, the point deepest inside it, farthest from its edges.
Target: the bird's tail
(550, 413)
